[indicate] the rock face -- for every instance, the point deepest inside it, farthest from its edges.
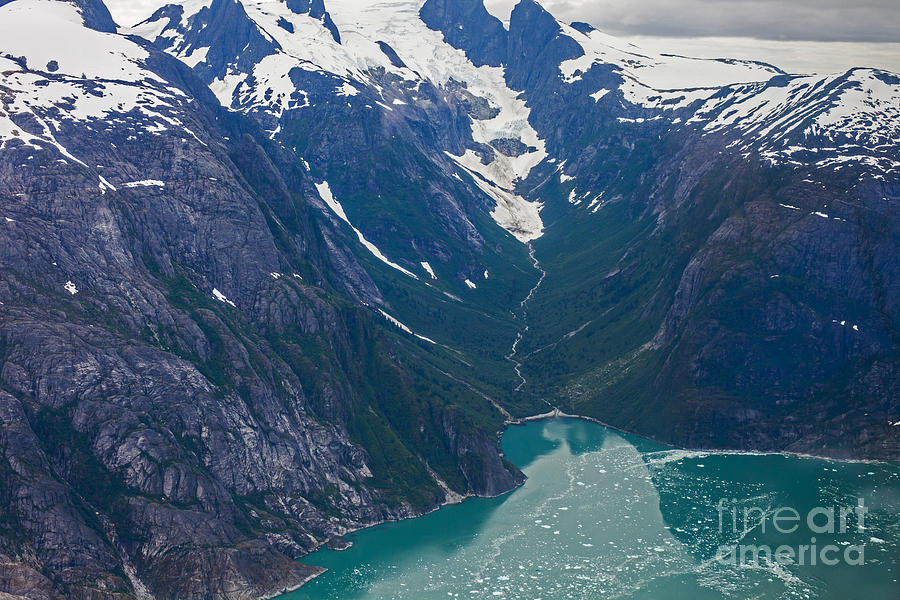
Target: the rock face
(721, 255)
(467, 25)
(189, 398)
(259, 281)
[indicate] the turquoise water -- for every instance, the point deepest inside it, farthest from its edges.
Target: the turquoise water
(607, 515)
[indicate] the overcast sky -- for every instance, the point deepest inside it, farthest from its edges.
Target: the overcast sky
(809, 20)
(799, 36)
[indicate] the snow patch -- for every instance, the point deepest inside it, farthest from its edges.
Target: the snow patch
(599, 94)
(221, 297)
(347, 89)
(144, 183)
(428, 269)
(105, 185)
(325, 193)
(195, 57)
(656, 71)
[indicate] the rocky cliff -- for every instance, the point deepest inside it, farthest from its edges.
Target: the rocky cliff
(273, 271)
(192, 398)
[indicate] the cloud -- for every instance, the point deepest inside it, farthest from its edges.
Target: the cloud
(792, 56)
(797, 20)
(807, 20)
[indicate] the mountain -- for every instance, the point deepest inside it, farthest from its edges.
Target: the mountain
(712, 228)
(274, 271)
(191, 397)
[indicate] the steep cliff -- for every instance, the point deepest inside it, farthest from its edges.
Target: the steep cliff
(191, 397)
(272, 271)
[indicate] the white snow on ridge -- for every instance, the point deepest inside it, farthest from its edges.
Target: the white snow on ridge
(404, 328)
(74, 74)
(325, 193)
(870, 94)
(862, 106)
(49, 30)
(426, 56)
(858, 110)
(657, 72)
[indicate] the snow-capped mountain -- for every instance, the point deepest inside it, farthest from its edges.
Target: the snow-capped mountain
(393, 48)
(48, 88)
(832, 121)
(193, 393)
(298, 58)
(273, 270)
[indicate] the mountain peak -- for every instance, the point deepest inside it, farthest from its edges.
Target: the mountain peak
(467, 25)
(316, 10)
(96, 15)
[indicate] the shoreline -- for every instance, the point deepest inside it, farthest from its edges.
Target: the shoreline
(295, 587)
(558, 414)
(452, 500)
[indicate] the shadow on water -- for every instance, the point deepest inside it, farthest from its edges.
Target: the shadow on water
(391, 549)
(521, 447)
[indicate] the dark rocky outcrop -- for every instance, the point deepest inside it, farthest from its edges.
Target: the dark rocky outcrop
(467, 25)
(244, 46)
(316, 10)
(192, 395)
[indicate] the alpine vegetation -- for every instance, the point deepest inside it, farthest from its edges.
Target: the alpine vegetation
(274, 271)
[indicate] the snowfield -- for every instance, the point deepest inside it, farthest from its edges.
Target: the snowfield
(306, 43)
(58, 73)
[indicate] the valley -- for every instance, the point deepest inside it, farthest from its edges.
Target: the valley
(274, 271)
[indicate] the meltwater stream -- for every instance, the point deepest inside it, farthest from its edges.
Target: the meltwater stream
(605, 515)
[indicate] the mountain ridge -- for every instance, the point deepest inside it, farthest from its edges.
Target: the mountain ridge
(260, 289)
